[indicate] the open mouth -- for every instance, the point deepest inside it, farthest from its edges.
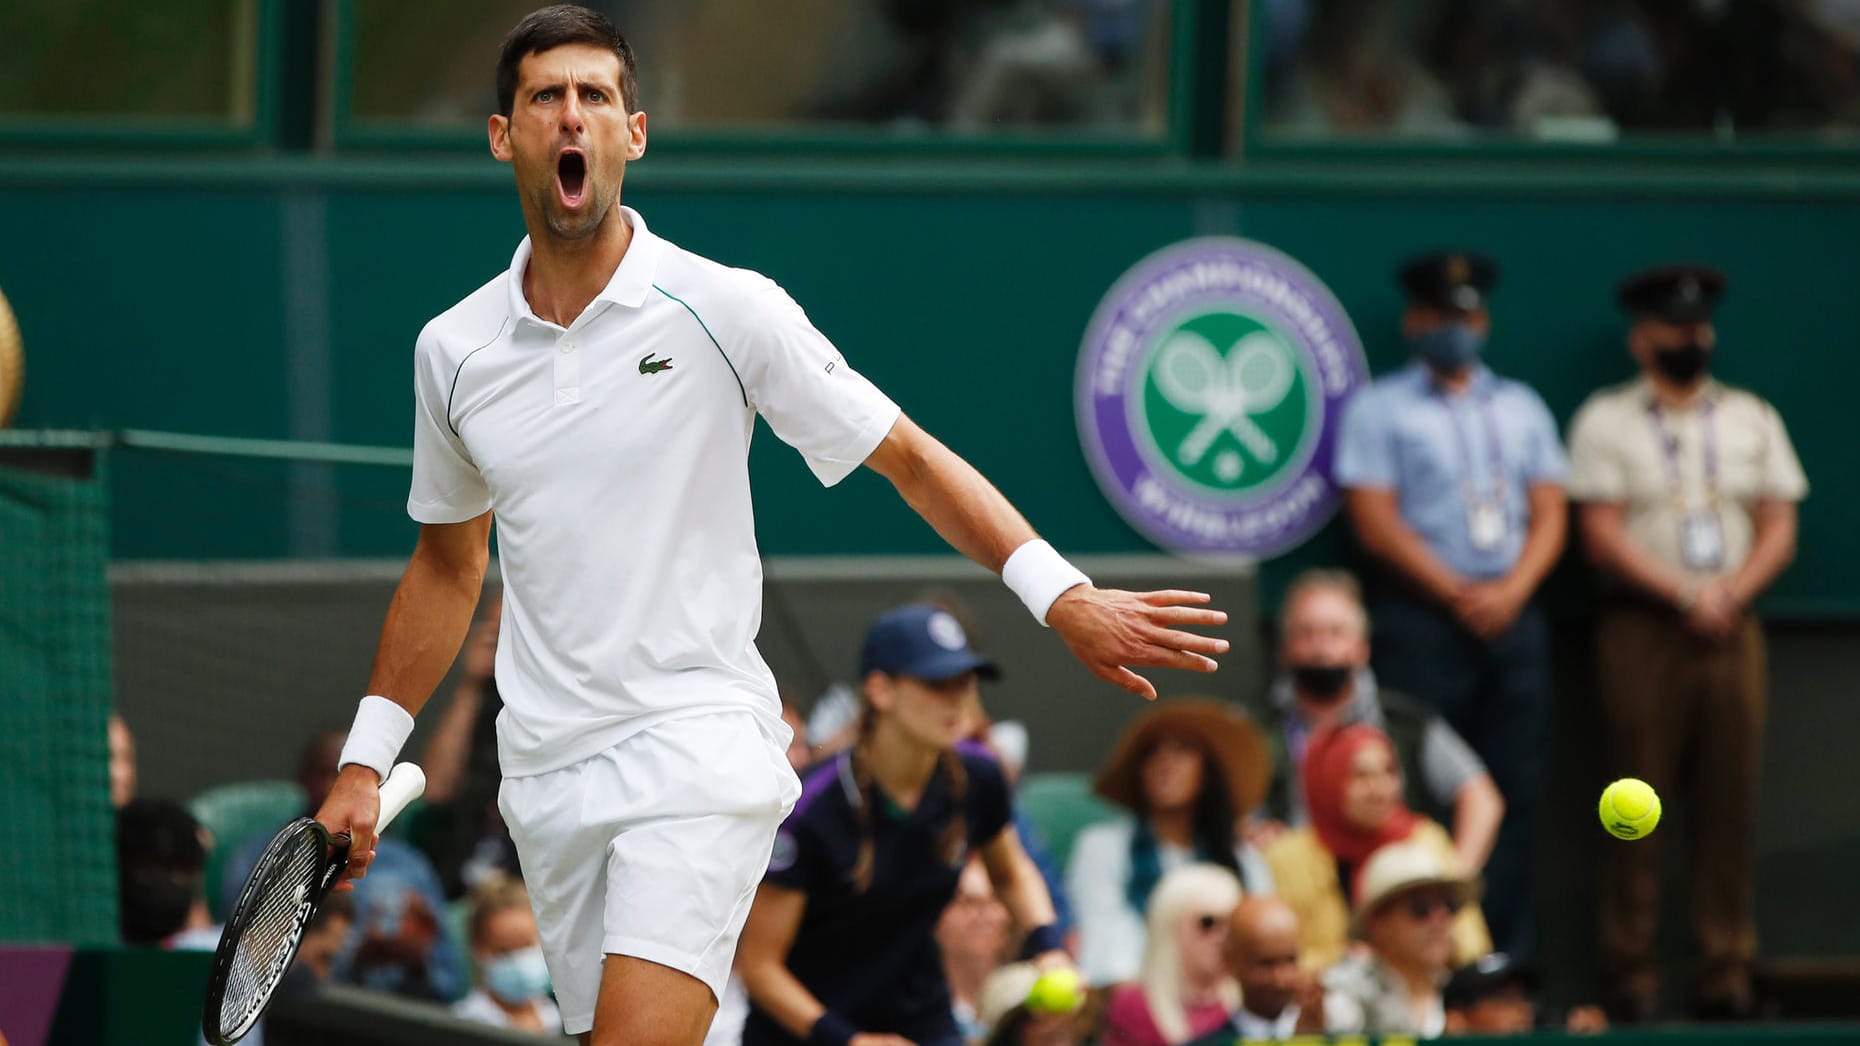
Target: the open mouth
(571, 177)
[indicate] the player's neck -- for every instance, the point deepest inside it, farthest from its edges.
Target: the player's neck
(1176, 827)
(1672, 395)
(1453, 381)
(1319, 712)
(564, 276)
(900, 764)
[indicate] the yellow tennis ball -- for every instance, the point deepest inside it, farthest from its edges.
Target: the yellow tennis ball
(1057, 991)
(1630, 808)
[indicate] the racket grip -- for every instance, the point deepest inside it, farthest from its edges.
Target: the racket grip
(403, 784)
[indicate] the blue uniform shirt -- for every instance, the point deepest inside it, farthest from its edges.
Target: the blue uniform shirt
(872, 957)
(1404, 433)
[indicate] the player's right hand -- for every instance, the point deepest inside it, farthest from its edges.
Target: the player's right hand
(867, 1039)
(354, 806)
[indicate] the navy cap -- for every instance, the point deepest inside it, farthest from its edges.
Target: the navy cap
(923, 642)
(1674, 293)
(1486, 975)
(1457, 281)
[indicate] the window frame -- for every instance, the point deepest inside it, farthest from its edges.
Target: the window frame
(346, 132)
(1250, 140)
(265, 60)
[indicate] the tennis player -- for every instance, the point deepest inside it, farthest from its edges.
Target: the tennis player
(598, 399)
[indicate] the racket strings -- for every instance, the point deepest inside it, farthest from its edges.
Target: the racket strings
(272, 930)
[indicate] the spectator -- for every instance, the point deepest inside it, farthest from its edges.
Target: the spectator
(513, 980)
(1494, 996)
(1355, 75)
(840, 942)
(1354, 789)
(1184, 989)
(161, 862)
(470, 843)
(1325, 680)
(1452, 479)
(1277, 999)
(325, 937)
(973, 937)
(1688, 490)
(1405, 909)
(1189, 770)
(399, 943)
(122, 762)
(1011, 1022)
(800, 757)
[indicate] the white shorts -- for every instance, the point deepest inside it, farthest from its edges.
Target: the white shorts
(652, 849)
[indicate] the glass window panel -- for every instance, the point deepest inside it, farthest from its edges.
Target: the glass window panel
(1573, 70)
(188, 59)
(908, 66)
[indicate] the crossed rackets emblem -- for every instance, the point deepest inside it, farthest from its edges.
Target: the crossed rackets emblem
(1225, 392)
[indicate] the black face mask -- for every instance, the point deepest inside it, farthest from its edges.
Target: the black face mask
(1321, 680)
(1683, 364)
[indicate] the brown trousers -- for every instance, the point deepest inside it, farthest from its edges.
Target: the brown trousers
(1667, 694)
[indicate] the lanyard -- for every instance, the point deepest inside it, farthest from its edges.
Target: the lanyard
(1485, 420)
(1669, 446)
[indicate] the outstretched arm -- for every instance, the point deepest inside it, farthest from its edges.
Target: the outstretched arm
(426, 622)
(1106, 629)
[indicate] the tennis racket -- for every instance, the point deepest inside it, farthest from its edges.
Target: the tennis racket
(280, 897)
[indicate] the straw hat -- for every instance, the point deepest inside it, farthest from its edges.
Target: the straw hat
(1400, 867)
(1227, 733)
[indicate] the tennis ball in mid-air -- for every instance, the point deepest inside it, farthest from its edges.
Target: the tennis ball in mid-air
(1630, 808)
(1057, 991)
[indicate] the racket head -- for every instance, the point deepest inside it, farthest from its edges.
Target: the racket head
(266, 926)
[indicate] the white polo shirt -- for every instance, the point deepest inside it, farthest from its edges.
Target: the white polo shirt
(614, 454)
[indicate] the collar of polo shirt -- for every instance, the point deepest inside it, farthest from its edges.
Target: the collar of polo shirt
(630, 284)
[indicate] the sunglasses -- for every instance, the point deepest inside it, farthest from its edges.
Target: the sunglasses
(1424, 905)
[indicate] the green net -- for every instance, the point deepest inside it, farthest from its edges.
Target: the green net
(55, 671)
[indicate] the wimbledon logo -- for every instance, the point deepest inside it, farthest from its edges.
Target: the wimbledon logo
(1209, 384)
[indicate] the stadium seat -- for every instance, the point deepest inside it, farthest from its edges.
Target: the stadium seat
(232, 812)
(1059, 805)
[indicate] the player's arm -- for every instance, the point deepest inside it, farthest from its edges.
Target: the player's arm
(1018, 883)
(1478, 809)
(1106, 629)
(762, 959)
(1375, 518)
(1544, 536)
(1612, 549)
(426, 623)
(1771, 549)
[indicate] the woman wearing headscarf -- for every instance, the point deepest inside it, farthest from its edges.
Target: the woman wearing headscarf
(1189, 771)
(1352, 785)
(1184, 989)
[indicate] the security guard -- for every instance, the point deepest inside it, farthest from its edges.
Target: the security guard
(1688, 492)
(1452, 479)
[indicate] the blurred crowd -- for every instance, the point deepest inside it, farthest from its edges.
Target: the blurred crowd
(1582, 69)
(1352, 856)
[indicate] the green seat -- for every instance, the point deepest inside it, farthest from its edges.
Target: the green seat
(233, 812)
(1060, 805)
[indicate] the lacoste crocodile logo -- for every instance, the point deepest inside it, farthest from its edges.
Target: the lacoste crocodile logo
(648, 365)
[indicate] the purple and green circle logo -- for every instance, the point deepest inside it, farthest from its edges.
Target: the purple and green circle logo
(1208, 389)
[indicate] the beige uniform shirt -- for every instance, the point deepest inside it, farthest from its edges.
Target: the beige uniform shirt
(1615, 456)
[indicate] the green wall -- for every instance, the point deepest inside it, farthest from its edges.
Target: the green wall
(281, 297)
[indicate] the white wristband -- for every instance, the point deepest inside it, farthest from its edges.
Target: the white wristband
(380, 729)
(1038, 574)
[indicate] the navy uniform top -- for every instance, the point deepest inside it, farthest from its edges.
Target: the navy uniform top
(871, 957)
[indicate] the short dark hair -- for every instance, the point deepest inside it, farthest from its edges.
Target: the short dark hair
(551, 27)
